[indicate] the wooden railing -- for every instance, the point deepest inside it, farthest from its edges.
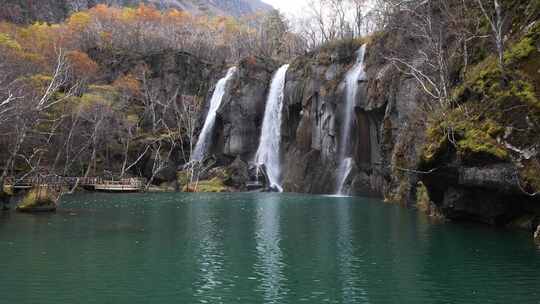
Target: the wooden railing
(70, 181)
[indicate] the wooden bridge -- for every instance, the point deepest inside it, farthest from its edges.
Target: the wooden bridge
(89, 183)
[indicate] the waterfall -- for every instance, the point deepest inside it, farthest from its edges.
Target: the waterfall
(201, 148)
(268, 153)
(355, 74)
(344, 169)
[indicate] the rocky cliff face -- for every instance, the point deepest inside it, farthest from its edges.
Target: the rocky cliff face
(53, 11)
(385, 118)
(239, 119)
(390, 133)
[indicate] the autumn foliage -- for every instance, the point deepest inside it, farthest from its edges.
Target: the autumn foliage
(85, 95)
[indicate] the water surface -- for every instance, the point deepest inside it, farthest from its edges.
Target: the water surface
(257, 248)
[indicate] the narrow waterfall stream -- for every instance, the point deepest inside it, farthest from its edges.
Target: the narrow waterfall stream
(344, 170)
(268, 153)
(355, 74)
(201, 148)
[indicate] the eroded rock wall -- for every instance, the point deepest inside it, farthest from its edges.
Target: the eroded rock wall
(385, 132)
(239, 119)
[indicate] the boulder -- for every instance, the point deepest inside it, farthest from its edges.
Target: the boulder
(537, 233)
(238, 174)
(218, 179)
(488, 194)
(40, 199)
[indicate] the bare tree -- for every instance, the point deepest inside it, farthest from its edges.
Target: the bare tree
(428, 63)
(31, 103)
(493, 12)
(127, 138)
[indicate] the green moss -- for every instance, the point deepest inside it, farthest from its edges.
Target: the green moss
(436, 143)
(474, 140)
(487, 103)
(480, 142)
(38, 197)
(207, 186)
(520, 51)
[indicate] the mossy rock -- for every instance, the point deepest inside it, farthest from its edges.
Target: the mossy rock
(475, 141)
(478, 143)
(39, 199)
(214, 185)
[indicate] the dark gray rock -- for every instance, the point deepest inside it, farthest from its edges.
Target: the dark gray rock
(166, 174)
(488, 194)
(238, 174)
(241, 114)
(500, 177)
(384, 132)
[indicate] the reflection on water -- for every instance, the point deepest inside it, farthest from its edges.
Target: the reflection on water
(269, 265)
(209, 254)
(257, 249)
(352, 278)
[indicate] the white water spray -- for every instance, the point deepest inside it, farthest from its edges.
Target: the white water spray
(355, 74)
(201, 148)
(268, 153)
(344, 169)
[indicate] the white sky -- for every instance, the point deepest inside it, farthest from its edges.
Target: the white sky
(288, 6)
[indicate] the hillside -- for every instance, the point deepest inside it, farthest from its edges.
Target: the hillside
(24, 11)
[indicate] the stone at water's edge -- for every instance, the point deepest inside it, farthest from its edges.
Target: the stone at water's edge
(537, 233)
(219, 179)
(214, 185)
(39, 199)
(238, 174)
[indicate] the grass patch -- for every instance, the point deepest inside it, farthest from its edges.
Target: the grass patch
(214, 185)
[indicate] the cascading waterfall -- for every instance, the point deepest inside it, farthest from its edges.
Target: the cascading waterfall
(268, 153)
(201, 148)
(345, 168)
(355, 74)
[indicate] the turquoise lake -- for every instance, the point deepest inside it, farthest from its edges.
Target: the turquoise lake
(257, 248)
